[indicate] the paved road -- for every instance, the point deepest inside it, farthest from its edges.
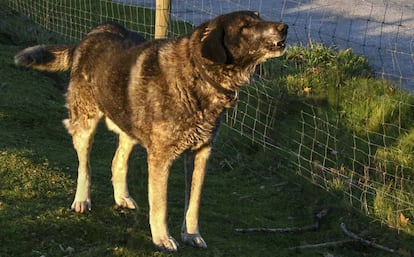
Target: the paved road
(382, 30)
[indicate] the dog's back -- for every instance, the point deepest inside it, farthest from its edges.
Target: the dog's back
(60, 57)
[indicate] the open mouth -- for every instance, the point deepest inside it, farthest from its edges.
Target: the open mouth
(277, 45)
(281, 44)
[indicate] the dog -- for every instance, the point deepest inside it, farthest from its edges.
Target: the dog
(166, 95)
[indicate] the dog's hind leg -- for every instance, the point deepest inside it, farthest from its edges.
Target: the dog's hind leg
(84, 116)
(195, 169)
(120, 168)
(82, 137)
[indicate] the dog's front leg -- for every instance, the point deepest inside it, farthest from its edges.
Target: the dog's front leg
(158, 172)
(195, 170)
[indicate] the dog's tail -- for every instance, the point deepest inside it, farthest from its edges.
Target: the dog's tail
(46, 57)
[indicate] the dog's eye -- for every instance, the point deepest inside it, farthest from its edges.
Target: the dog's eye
(250, 22)
(247, 25)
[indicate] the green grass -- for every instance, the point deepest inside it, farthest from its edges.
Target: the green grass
(332, 103)
(245, 186)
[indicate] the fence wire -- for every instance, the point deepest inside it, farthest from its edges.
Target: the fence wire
(324, 153)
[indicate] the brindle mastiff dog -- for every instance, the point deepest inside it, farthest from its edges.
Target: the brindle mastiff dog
(166, 95)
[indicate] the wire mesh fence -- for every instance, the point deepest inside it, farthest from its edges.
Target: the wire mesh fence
(372, 161)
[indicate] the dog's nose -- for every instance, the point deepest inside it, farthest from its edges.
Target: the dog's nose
(283, 28)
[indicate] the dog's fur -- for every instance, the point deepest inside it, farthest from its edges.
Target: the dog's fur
(166, 95)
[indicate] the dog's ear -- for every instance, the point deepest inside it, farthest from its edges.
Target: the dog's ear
(212, 45)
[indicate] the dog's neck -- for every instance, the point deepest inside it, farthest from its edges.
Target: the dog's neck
(231, 95)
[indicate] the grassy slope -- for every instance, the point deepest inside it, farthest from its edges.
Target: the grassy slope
(244, 188)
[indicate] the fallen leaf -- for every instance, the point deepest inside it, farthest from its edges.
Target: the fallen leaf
(403, 219)
(307, 90)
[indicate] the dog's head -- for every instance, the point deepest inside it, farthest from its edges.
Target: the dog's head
(242, 37)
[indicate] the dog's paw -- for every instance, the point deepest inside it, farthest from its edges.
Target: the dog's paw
(81, 206)
(126, 202)
(194, 240)
(168, 244)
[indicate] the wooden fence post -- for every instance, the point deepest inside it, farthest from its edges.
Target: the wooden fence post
(162, 18)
